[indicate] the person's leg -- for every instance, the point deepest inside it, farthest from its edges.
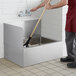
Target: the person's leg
(69, 37)
(69, 43)
(73, 54)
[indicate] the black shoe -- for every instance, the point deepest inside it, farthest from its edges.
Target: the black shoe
(67, 59)
(71, 65)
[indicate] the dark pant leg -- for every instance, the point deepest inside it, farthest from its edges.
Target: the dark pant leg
(74, 48)
(69, 38)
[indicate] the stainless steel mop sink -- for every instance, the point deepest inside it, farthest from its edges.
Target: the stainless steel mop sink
(15, 52)
(16, 30)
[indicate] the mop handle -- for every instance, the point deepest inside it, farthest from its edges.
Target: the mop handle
(39, 20)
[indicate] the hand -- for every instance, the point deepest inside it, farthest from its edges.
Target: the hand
(48, 6)
(33, 9)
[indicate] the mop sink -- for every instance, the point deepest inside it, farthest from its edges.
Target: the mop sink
(38, 51)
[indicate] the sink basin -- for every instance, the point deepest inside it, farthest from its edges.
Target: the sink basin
(26, 23)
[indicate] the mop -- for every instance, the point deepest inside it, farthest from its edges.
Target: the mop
(27, 42)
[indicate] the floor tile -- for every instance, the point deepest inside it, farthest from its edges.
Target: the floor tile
(41, 74)
(64, 72)
(71, 75)
(48, 68)
(6, 69)
(56, 74)
(26, 73)
(2, 67)
(17, 74)
(43, 68)
(3, 74)
(35, 70)
(57, 69)
(11, 72)
(49, 71)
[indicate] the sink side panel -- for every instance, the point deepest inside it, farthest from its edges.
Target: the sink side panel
(13, 43)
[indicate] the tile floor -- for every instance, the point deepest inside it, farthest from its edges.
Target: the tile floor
(49, 68)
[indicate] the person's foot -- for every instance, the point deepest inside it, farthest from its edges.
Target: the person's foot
(67, 59)
(71, 65)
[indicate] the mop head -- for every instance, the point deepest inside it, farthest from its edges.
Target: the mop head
(27, 42)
